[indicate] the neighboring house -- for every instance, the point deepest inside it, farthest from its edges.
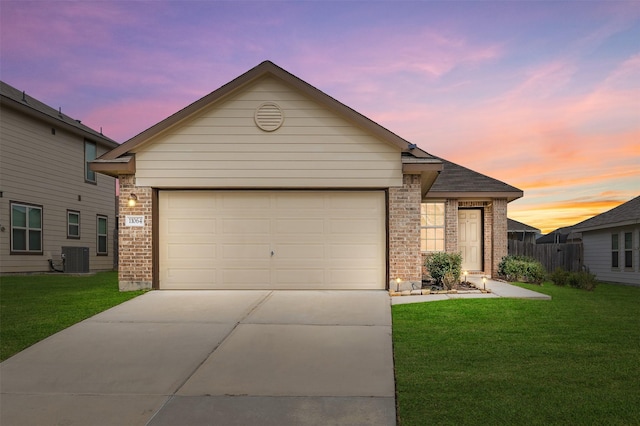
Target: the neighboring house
(521, 232)
(51, 202)
(611, 243)
(269, 183)
(564, 235)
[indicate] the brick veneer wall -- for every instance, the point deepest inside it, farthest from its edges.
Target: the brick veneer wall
(405, 260)
(494, 231)
(135, 263)
(499, 233)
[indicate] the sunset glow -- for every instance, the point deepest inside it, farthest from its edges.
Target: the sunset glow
(542, 95)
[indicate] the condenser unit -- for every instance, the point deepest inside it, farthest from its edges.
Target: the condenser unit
(76, 259)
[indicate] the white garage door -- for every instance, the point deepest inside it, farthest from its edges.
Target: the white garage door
(272, 239)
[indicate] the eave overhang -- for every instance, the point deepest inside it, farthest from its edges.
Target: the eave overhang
(125, 165)
(479, 196)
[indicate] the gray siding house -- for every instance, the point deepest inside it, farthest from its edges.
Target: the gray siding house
(51, 202)
(611, 243)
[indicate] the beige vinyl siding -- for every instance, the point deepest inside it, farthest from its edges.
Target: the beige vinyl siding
(597, 255)
(223, 147)
(40, 168)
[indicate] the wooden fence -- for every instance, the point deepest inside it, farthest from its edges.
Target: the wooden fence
(552, 256)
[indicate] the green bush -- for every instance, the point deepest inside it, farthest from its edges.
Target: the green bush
(560, 277)
(442, 264)
(582, 280)
(521, 268)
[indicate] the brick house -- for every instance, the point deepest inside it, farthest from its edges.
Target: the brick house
(268, 182)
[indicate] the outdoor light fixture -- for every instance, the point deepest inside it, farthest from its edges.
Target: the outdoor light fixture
(132, 200)
(465, 276)
(398, 280)
(484, 282)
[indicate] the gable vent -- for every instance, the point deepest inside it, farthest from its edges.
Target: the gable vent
(269, 117)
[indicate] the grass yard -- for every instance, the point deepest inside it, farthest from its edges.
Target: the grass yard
(33, 307)
(572, 360)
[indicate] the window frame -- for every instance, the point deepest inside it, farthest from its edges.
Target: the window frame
(628, 251)
(69, 235)
(105, 235)
(27, 228)
(89, 175)
(437, 226)
(615, 251)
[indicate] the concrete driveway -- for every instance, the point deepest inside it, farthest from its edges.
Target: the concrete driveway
(209, 358)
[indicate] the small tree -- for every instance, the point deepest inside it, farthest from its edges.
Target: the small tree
(445, 268)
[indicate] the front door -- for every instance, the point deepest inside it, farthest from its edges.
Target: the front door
(470, 239)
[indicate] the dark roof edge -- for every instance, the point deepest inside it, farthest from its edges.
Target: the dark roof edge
(52, 116)
(476, 195)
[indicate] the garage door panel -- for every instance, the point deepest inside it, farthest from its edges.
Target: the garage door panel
(296, 252)
(298, 227)
(246, 252)
(303, 201)
(353, 226)
(189, 226)
(248, 225)
(243, 277)
(191, 251)
(354, 251)
(291, 278)
(319, 239)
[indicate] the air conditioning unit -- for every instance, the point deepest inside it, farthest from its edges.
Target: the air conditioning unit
(76, 259)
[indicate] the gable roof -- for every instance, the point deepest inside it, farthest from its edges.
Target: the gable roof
(625, 214)
(268, 68)
(456, 181)
(12, 97)
(515, 226)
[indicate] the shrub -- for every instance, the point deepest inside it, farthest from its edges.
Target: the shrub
(582, 280)
(560, 277)
(442, 264)
(521, 268)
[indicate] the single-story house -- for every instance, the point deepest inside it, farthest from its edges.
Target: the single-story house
(519, 231)
(611, 243)
(269, 183)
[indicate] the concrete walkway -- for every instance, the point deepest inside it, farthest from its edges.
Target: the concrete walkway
(498, 289)
(212, 357)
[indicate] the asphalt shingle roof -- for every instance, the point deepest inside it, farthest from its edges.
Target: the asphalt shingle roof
(456, 178)
(514, 225)
(625, 214)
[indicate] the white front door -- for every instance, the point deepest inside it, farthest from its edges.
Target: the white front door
(470, 239)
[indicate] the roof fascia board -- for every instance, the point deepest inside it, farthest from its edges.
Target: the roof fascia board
(606, 225)
(510, 196)
(418, 168)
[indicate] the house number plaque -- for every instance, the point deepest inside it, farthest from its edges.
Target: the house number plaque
(134, 221)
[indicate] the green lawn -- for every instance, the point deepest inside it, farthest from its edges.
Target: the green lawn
(33, 307)
(572, 360)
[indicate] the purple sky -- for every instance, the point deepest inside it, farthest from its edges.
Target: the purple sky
(542, 95)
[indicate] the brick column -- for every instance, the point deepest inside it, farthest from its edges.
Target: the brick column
(135, 266)
(451, 226)
(405, 259)
(499, 233)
